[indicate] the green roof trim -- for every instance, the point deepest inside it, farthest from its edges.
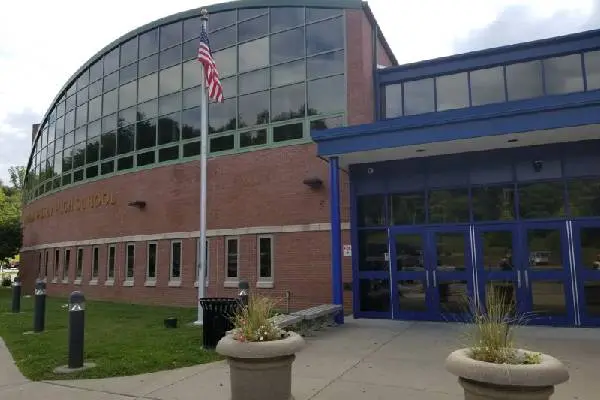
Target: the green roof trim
(228, 6)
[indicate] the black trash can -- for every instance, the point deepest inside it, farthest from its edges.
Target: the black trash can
(217, 319)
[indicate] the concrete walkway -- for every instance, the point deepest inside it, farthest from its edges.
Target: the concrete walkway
(364, 359)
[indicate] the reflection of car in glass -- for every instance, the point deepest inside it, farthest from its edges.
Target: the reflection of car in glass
(539, 257)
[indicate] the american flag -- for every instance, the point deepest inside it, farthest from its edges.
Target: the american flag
(211, 75)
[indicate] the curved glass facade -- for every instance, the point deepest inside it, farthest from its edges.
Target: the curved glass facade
(138, 106)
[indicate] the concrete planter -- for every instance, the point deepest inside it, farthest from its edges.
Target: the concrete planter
(261, 370)
(482, 380)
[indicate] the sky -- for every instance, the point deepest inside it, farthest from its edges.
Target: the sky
(42, 43)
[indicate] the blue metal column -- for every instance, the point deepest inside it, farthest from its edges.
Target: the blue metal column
(336, 236)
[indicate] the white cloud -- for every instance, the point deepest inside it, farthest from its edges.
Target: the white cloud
(44, 43)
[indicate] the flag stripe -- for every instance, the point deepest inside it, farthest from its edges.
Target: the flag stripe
(211, 74)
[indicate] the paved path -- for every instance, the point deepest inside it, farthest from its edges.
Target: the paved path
(362, 360)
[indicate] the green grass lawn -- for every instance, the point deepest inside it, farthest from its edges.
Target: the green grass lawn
(122, 339)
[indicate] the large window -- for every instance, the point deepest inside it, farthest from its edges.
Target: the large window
(233, 258)
(151, 262)
(95, 262)
(56, 264)
(138, 105)
(130, 262)
(110, 263)
(66, 265)
(175, 269)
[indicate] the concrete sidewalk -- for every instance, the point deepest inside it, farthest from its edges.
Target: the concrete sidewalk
(364, 359)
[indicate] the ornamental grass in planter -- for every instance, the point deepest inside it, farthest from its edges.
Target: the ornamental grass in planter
(259, 353)
(493, 367)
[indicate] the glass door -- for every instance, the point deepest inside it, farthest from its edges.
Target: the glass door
(412, 289)
(451, 271)
(586, 245)
(546, 273)
(496, 269)
(372, 291)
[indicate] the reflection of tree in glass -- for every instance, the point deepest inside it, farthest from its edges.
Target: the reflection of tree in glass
(448, 206)
(584, 198)
(541, 200)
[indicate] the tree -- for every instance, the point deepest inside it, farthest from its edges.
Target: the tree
(10, 214)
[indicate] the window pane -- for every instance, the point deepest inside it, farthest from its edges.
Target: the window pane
(452, 91)
(107, 167)
(315, 14)
(563, 74)
(108, 146)
(125, 163)
(192, 27)
(147, 158)
(325, 64)
(524, 80)
(222, 19)
(418, 97)
(147, 110)
(371, 210)
(190, 49)
(168, 154)
(222, 143)
(170, 57)
(111, 61)
(81, 115)
(191, 123)
(111, 81)
(324, 36)
(148, 43)
(288, 102)
(286, 17)
(265, 258)
(288, 45)
(146, 134)
(226, 61)
(253, 109)
(247, 13)
(288, 132)
(95, 89)
(253, 28)
(93, 129)
(327, 96)
(128, 73)
(91, 172)
(192, 97)
(80, 135)
(291, 72)
(592, 69)
(253, 55)
(487, 86)
(326, 123)
(148, 65)
(176, 260)
(393, 100)
(541, 200)
(170, 35)
(168, 129)
(109, 123)
(127, 116)
(223, 38)
(129, 51)
(151, 270)
(82, 96)
(407, 209)
(232, 258)
(78, 155)
(70, 121)
(222, 116)
(170, 80)
(125, 138)
(254, 81)
(448, 206)
(109, 102)
(191, 149)
(96, 71)
(148, 88)
(92, 150)
(584, 197)
(128, 95)
(253, 138)
(493, 203)
(192, 74)
(169, 104)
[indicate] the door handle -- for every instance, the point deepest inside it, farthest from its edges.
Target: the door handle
(427, 277)
(526, 279)
(434, 279)
(519, 279)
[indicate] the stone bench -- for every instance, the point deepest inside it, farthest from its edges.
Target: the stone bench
(318, 317)
(285, 320)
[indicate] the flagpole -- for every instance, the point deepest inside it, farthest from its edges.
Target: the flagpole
(201, 267)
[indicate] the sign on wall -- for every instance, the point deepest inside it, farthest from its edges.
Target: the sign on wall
(347, 250)
(76, 204)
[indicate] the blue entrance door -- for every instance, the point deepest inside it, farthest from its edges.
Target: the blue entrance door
(497, 270)
(586, 252)
(545, 273)
(411, 290)
(451, 264)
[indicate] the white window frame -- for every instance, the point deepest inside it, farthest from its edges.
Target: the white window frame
(232, 281)
(66, 265)
(79, 259)
(196, 269)
(95, 265)
(128, 280)
(175, 280)
(110, 279)
(151, 280)
(265, 282)
(56, 265)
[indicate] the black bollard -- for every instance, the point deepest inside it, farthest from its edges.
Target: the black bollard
(16, 295)
(244, 292)
(76, 329)
(39, 306)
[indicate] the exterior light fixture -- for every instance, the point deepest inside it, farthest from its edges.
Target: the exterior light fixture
(420, 150)
(513, 140)
(313, 182)
(138, 203)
